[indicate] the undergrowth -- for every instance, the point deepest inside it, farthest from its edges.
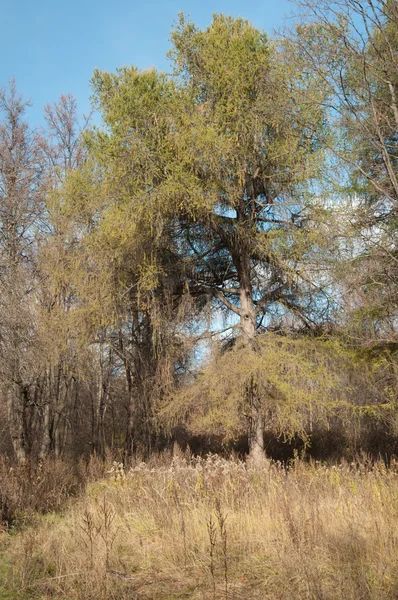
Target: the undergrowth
(212, 529)
(40, 487)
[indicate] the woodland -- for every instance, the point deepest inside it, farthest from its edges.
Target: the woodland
(199, 320)
(214, 262)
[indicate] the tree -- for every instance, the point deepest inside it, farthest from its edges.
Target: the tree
(219, 157)
(39, 374)
(63, 137)
(352, 47)
(21, 210)
(125, 289)
(62, 146)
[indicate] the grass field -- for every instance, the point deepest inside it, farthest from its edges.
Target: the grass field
(212, 528)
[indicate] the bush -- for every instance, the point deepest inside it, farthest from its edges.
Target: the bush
(42, 487)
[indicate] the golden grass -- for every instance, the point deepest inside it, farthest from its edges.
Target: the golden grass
(216, 529)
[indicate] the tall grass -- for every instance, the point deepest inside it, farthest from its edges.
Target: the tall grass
(216, 529)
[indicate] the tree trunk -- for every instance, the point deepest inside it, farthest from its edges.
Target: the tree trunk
(16, 408)
(100, 409)
(103, 397)
(248, 328)
(256, 424)
(129, 445)
(46, 438)
(247, 317)
(46, 435)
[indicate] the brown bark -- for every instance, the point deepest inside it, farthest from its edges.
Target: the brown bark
(46, 416)
(100, 409)
(46, 438)
(15, 406)
(129, 446)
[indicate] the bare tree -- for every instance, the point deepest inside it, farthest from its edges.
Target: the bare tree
(21, 209)
(61, 143)
(352, 47)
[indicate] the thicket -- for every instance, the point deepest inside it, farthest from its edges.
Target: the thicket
(215, 261)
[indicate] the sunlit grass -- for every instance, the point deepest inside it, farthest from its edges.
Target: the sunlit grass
(309, 531)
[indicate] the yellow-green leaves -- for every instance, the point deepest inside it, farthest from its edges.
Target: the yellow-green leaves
(297, 380)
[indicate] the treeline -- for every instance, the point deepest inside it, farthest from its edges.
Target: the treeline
(216, 261)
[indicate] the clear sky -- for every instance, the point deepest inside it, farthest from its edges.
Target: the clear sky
(52, 47)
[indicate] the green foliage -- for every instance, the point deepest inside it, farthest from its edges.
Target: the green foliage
(179, 155)
(198, 187)
(298, 380)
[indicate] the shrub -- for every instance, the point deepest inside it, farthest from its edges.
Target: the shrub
(42, 487)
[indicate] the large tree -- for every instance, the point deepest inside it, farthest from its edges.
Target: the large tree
(218, 159)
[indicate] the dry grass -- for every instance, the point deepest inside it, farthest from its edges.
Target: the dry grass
(216, 529)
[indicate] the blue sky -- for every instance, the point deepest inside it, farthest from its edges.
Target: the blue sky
(53, 47)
